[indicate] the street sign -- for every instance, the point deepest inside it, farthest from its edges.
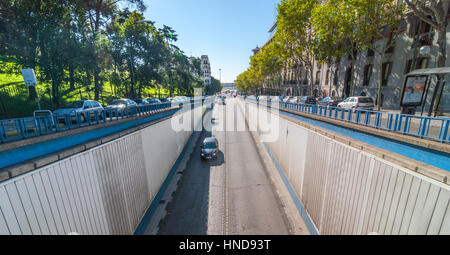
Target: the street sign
(29, 77)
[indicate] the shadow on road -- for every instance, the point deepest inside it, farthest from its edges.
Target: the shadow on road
(187, 213)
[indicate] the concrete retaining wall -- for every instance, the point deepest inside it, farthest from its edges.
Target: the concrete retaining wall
(105, 190)
(347, 191)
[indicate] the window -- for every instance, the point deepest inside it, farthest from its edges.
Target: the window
(408, 66)
(317, 77)
(327, 77)
(370, 53)
(387, 68)
(367, 75)
(391, 45)
(335, 78)
(422, 63)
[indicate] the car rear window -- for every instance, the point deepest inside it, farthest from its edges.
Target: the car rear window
(365, 100)
(209, 145)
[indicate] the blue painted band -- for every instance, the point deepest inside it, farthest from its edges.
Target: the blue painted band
(432, 157)
(25, 153)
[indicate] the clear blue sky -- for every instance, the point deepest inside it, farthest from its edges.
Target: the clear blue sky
(225, 30)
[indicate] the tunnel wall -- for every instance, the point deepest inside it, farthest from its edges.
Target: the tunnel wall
(105, 190)
(347, 191)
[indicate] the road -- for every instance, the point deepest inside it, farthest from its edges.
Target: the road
(229, 195)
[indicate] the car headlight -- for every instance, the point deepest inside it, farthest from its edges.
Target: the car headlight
(203, 154)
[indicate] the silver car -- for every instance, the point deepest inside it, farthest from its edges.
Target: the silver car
(360, 102)
(84, 108)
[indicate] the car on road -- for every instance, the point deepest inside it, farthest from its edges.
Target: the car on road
(84, 108)
(329, 101)
(307, 100)
(286, 99)
(154, 101)
(360, 102)
(141, 101)
(121, 106)
(294, 100)
(209, 148)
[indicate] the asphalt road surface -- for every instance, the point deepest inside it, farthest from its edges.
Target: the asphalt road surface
(229, 195)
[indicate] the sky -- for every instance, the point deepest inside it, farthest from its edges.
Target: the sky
(225, 30)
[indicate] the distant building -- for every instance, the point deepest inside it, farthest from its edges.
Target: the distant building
(206, 70)
(229, 85)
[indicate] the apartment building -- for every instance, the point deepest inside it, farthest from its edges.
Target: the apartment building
(206, 69)
(335, 78)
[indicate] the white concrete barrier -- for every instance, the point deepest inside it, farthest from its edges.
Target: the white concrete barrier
(348, 191)
(105, 190)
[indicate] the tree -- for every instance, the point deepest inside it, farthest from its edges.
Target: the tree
(294, 32)
(379, 25)
(336, 28)
(214, 87)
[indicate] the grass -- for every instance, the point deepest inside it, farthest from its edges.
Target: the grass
(15, 95)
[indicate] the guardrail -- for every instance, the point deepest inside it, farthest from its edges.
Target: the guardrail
(22, 128)
(419, 126)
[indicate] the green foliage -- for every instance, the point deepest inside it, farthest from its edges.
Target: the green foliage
(214, 87)
(92, 49)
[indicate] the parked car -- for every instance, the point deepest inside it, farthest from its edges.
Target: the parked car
(360, 102)
(294, 100)
(82, 107)
(307, 100)
(164, 100)
(328, 101)
(154, 101)
(121, 105)
(286, 99)
(141, 101)
(209, 148)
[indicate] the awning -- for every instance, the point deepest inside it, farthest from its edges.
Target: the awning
(428, 71)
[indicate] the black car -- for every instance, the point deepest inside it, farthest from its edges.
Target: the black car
(209, 148)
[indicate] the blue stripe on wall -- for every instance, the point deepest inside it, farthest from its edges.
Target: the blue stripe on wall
(432, 157)
(25, 153)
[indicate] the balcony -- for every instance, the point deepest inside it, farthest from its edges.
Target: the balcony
(425, 39)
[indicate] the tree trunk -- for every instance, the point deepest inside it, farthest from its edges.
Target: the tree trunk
(440, 63)
(352, 77)
(96, 85)
(380, 81)
(71, 78)
(311, 73)
(3, 106)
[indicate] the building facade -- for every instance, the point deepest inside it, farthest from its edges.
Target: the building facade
(206, 70)
(337, 78)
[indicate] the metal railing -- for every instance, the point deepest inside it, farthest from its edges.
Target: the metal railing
(419, 126)
(22, 128)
